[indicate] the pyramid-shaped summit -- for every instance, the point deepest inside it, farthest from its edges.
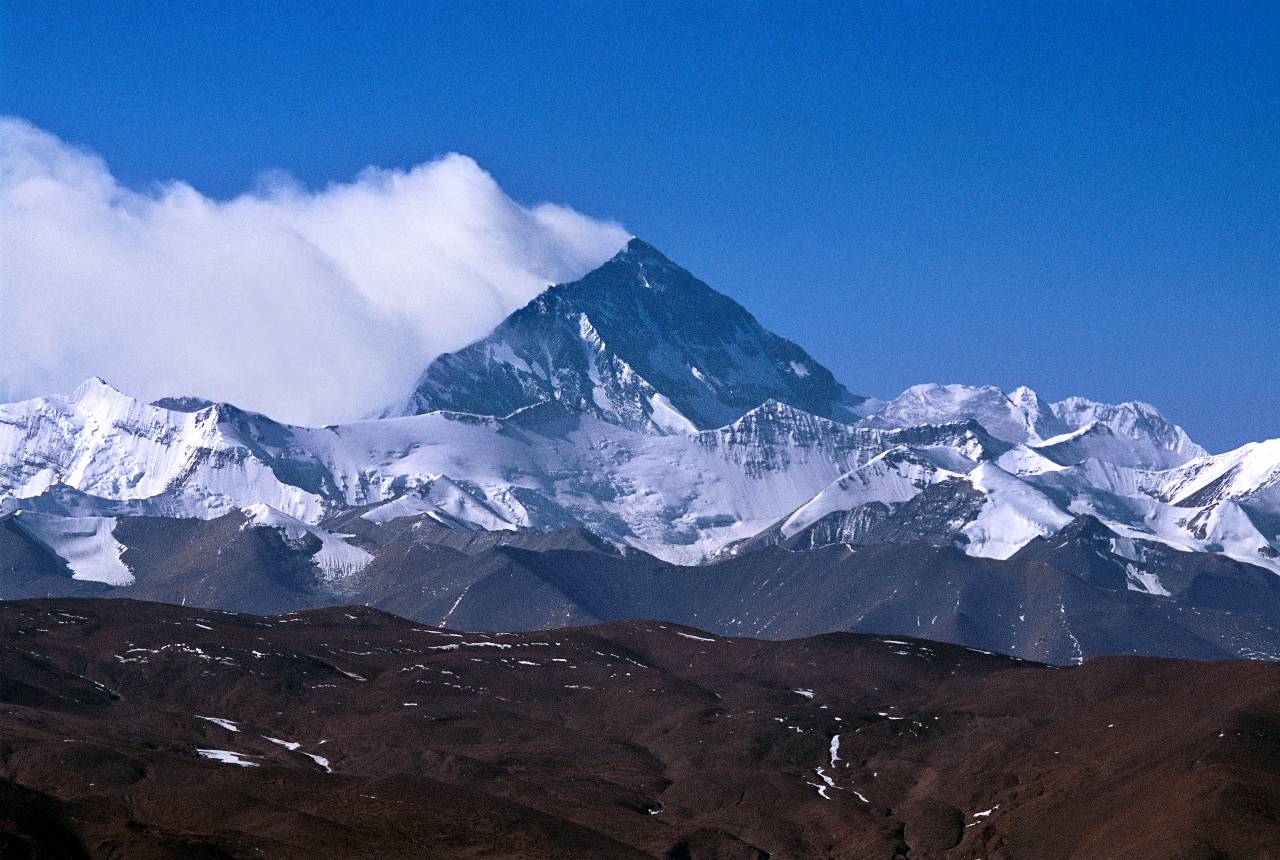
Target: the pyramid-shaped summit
(640, 342)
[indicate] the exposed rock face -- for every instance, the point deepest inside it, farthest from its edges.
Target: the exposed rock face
(639, 341)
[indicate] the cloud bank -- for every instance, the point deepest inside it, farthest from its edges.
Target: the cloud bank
(310, 306)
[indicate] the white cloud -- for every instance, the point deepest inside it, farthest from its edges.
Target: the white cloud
(311, 306)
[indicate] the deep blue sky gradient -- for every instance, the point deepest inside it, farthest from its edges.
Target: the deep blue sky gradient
(1082, 197)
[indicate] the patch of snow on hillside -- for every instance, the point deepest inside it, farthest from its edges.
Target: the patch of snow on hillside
(86, 544)
(1144, 581)
(668, 417)
(335, 557)
(223, 723)
(228, 757)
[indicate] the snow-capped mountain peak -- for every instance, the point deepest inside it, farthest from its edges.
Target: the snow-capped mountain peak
(1015, 513)
(933, 403)
(1134, 420)
(95, 387)
(1148, 439)
(1251, 471)
(640, 342)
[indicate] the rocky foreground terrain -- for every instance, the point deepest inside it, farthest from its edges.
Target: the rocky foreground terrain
(143, 730)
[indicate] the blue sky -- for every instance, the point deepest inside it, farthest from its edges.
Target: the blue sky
(1083, 198)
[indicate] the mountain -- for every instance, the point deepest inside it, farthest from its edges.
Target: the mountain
(102, 443)
(999, 504)
(1134, 433)
(1013, 417)
(640, 342)
(597, 440)
(1250, 472)
(142, 730)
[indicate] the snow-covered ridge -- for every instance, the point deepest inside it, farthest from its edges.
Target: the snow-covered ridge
(682, 497)
(895, 476)
(1138, 434)
(104, 443)
(679, 496)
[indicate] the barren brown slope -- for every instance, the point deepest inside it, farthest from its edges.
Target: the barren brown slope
(628, 739)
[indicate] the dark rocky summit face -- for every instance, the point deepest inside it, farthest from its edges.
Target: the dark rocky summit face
(636, 327)
(142, 730)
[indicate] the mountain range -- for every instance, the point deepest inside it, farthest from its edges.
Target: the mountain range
(636, 444)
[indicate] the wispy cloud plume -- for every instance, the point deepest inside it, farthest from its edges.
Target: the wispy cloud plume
(311, 306)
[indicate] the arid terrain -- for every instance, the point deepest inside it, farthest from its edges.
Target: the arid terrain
(142, 730)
